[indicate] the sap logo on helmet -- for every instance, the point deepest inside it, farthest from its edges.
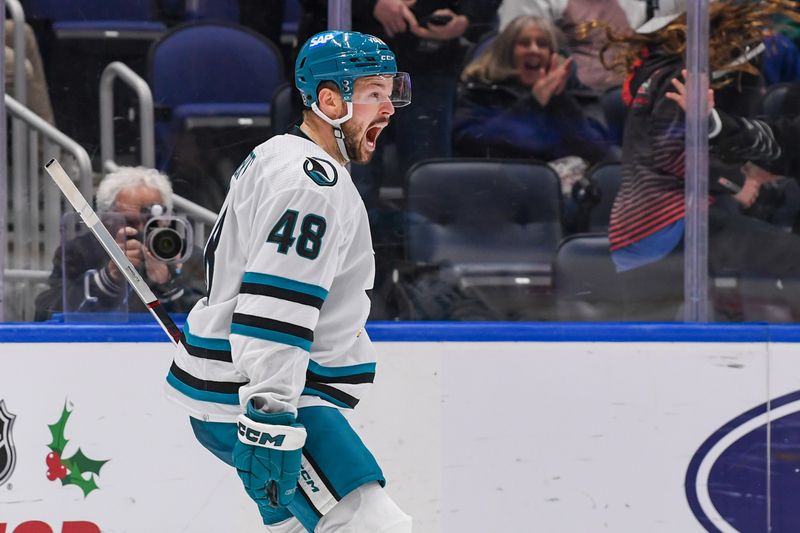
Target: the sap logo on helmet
(321, 39)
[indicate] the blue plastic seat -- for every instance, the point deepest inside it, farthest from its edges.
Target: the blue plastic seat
(212, 87)
(220, 72)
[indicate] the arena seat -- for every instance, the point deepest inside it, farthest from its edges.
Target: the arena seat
(212, 84)
(494, 225)
(585, 282)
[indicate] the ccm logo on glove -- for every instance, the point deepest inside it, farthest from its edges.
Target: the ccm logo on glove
(260, 437)
(270, 435)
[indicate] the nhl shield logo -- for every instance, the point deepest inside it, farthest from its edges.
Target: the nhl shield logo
(8, 454)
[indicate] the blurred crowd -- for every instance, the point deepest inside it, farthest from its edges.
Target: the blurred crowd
(570, 107)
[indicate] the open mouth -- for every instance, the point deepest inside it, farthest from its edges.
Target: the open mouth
(371, 137)
(531, 66)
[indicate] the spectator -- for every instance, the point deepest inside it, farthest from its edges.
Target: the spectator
(90, 281)
(512, 101)
(647, 220)
(568, 16)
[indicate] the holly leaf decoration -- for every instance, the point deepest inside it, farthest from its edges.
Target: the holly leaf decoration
(82, 465)
(81, 470)
(86, 485)
(57, 431)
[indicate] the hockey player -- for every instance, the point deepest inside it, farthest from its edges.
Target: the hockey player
(278, 348)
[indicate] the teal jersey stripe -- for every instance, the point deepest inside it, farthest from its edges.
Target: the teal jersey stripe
(311, 392)
(201, 395)
(285, 283)
(203, 342)
(340, 371)
(269, 335)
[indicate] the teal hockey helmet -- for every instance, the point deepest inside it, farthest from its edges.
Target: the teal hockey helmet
(342, 57)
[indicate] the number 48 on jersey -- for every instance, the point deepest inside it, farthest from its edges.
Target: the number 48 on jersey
(307, 243)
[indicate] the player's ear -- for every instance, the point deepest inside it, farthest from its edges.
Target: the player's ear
(329, 100)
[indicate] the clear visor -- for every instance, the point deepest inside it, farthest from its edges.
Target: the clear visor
(394, 88)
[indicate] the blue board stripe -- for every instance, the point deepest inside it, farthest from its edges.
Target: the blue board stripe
(443, 332)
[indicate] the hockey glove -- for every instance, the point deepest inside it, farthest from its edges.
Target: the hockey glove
(267, 456)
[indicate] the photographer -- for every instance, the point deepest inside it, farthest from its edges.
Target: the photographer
(85, 279)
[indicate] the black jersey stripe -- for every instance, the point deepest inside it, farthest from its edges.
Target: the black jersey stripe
(273, 325)
(282, 294)
(206, 353)
(227, 387)
(352, 379)
(327, 392)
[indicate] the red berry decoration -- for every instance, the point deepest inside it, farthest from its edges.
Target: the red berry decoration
(57, 472)
(53, 459)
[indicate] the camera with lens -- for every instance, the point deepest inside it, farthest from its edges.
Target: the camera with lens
(168, 237)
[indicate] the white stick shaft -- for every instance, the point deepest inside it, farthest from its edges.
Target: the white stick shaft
(62, 179)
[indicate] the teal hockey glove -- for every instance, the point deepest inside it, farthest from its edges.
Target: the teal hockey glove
(267, 456)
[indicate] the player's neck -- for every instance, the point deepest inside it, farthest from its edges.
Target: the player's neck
(321, 134)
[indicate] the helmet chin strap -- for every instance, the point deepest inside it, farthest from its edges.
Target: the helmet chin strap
(338, 133)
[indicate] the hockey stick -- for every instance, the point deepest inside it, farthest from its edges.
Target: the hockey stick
(111, 247)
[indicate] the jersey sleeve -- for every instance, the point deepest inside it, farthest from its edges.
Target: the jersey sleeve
(745, 139)
(293, 257)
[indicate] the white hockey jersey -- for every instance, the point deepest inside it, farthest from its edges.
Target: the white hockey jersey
(288, 264)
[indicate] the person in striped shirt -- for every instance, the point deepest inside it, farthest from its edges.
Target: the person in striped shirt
(647, 220)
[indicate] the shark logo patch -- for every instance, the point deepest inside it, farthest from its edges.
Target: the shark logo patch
(321, 171)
